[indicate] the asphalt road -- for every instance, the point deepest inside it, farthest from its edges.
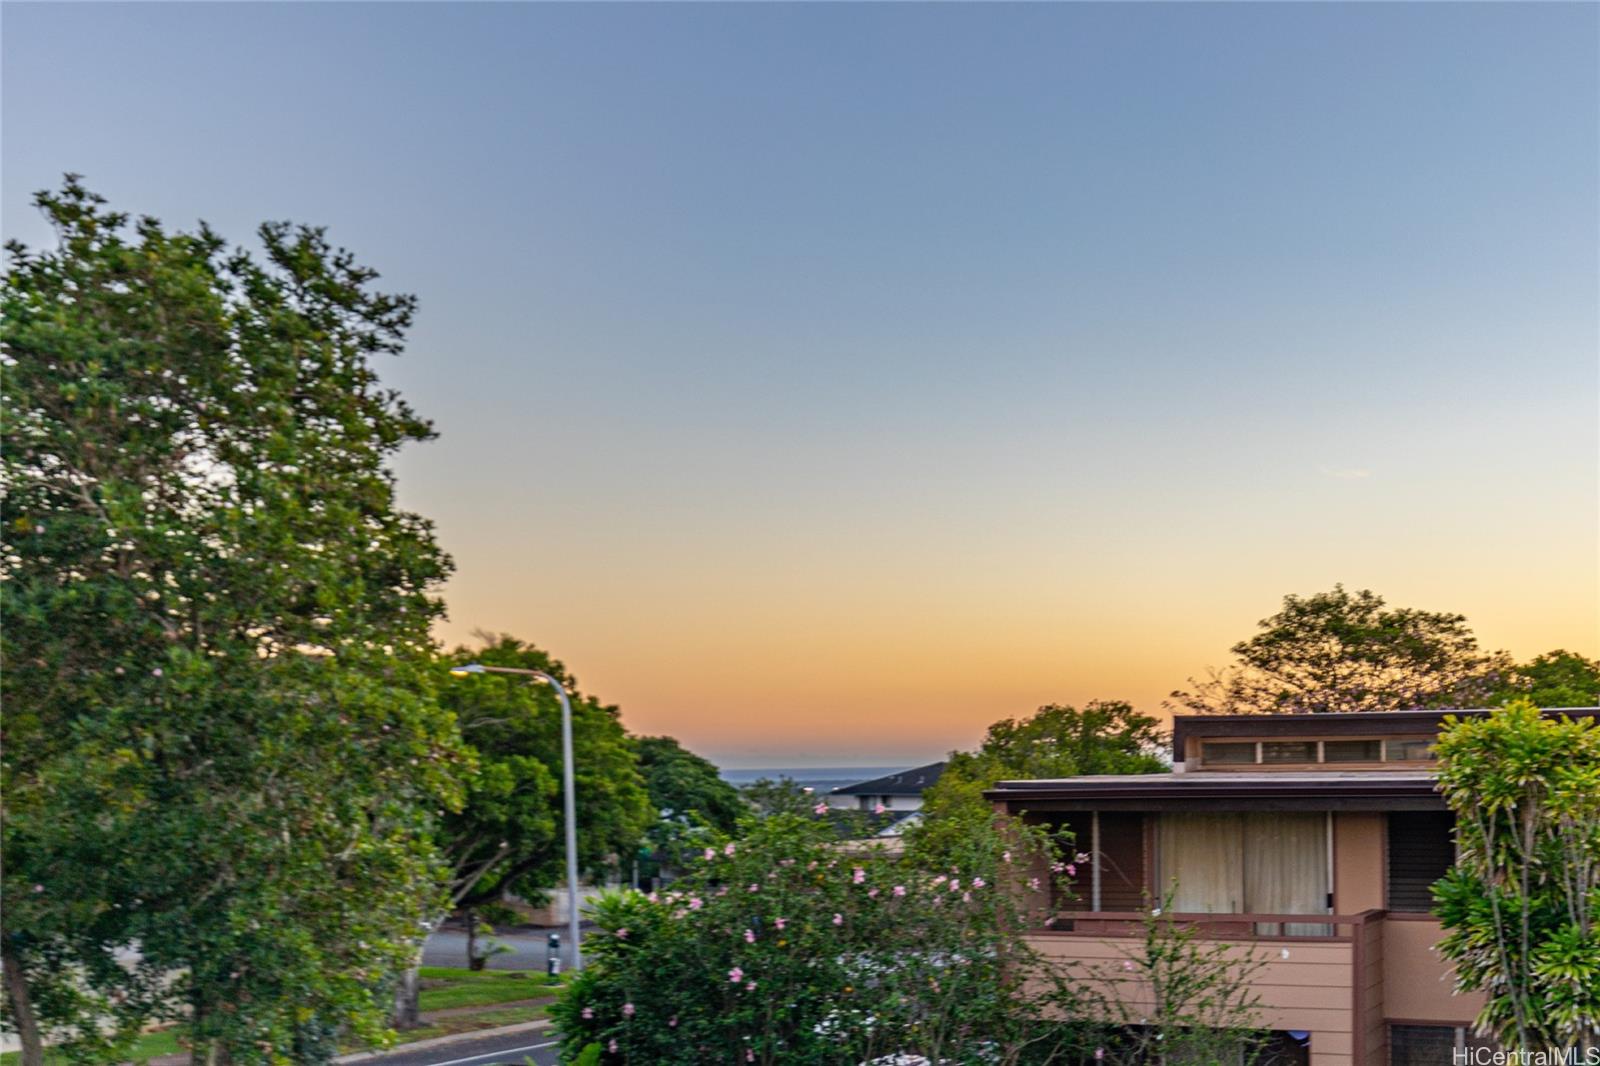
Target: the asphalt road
(518, 1049)
(448, 947)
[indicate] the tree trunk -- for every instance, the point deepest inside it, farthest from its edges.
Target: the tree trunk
(407, 1011)
(473, 962)
(22, 1015)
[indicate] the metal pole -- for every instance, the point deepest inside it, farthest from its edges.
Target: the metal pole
(570, 808)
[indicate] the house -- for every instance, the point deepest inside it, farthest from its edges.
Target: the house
(1310, 841)
(898, 793)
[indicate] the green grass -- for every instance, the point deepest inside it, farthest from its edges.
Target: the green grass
(147, 1047)
(443, 987)
(446, 987)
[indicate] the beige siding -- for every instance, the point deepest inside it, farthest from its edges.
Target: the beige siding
(1310, 990)
(1417, 983)
(1358, 861)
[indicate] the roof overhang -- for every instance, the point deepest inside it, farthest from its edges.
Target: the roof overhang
(1375, 791)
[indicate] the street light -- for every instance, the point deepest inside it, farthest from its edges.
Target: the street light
(566, 787)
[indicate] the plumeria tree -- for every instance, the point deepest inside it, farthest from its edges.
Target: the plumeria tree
(786, 946)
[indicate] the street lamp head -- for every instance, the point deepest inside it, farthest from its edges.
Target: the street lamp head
(469, 668)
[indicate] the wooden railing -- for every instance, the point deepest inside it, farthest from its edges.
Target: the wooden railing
(1252, 926)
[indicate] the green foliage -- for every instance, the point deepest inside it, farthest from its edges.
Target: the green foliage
(1105, 737)
(507, 836)
(1176, 996)
(1554, 679)
(783, 947)
(221, 741)
(688, 786)
(1521, 909)
(766, 797)
(1340, 651)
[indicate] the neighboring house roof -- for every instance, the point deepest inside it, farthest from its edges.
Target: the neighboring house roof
(1363, 723)
(905, 783)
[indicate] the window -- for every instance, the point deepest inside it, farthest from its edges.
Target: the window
(1421, 849)
(1431, 1045)
(1289, 751)
(1408, 749)
(1227, 754)
(1113, 879)
(1261, 863)
(1351, 751)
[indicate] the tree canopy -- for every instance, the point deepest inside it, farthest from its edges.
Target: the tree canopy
(221, 741)
(1343, 651)
(1555, 679)
(686, 785)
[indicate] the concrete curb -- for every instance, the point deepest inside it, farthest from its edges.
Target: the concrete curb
(444, 1041)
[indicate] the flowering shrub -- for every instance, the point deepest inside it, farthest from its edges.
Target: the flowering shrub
(785, 947)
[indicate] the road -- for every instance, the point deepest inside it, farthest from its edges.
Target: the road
(518, 1049)
(448, 947)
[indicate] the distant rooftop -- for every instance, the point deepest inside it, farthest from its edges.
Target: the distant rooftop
(905, 783)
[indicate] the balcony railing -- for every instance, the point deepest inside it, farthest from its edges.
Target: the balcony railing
(1335, 927)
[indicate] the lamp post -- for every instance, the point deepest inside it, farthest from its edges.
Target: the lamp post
(566, 787)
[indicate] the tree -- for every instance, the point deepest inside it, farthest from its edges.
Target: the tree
(1105, 737)
(1554, 679)
(507, 836)
(221, 741)
(782, 948)
(686, 784)
(1521, 908)
(1340, 651)
(766, 797)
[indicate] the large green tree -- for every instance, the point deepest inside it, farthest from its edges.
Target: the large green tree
(1555, 679)
(1104, 737)
(1521, 909)
(221, 746)
(1343, 651)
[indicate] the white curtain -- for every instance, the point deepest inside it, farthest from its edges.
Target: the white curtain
(1204, 855)
(1286, 867)
(1243, 863)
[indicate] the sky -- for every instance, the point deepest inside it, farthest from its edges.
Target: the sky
(822, 383)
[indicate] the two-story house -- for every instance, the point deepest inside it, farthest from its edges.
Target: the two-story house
(1310, 842)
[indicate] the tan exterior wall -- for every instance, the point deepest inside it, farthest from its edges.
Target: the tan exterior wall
(1309, 990)
(1358, 861)
(1417, 983)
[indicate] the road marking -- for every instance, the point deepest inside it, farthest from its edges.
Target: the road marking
(492, 1054)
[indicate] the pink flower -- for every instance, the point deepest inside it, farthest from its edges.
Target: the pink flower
(587, 1012)
(859, 876)
(722, 891)
(653, 898)
(710, 854)
(1072, 871)
(821, 808)
(780, 922)
(727, 849)
(695, 903)
(838, 919)
(749, 1056)
(749, 936)
(753, 888)
(872, 893)
(1057, 867)
(1082, 856)
(157, 673)
(1033, 883)
(899, 890)
(613, 1046)
(622, 934)
(941, 879)
(672, 1022)
(735, 975)
(978, 882)
(966, 897)
(879, 809)
(627, 1010)
(1099, 1053)
(1005, 856)
(1127, 964)
(749, 986)
(955, 886)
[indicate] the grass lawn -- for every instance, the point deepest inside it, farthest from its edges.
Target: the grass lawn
(443, 988)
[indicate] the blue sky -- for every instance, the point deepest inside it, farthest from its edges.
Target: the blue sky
(827, 381)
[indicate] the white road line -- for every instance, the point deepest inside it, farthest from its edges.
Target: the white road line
(493, 1054)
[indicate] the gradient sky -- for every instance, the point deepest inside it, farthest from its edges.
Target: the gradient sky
(822, 383)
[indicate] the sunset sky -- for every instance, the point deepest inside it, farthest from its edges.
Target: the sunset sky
(822, 383)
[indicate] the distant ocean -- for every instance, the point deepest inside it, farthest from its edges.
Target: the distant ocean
(816, 778)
